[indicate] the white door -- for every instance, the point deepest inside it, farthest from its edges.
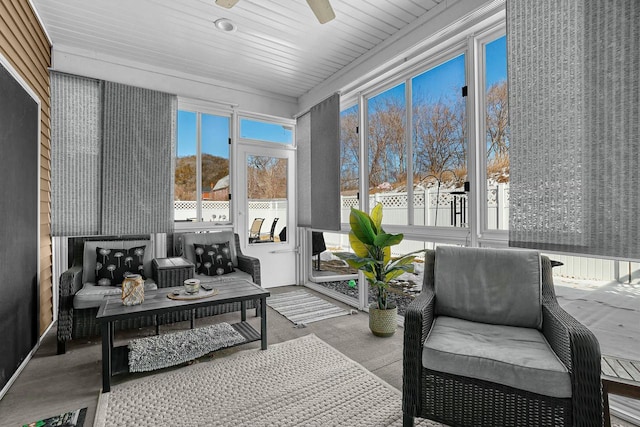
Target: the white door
(266, 211)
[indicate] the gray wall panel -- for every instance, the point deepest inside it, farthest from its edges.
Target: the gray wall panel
(137, 174)
(574, 100)
(76, 135)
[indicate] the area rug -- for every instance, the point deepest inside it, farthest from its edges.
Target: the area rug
(301, 307)
(302, 382)
(69, 419)
(161, 351)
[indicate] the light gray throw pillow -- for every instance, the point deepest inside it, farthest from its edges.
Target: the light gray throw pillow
(497, 286)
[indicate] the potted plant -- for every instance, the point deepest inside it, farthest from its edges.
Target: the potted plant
(372, 255)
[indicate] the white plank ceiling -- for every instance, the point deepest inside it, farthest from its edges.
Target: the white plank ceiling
(279, 46)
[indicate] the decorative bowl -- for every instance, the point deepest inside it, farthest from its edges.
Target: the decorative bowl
(192, 286)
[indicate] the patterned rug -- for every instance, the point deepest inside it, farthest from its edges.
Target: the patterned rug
(302, 382)
(69, 419)
(301, 308)
(162, 351)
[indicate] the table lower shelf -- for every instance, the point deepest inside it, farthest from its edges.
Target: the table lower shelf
(120, 354)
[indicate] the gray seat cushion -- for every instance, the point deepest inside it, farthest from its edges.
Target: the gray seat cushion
(237, 274)
(512, 356)
(188, 239)
(498, 286)
(89, 256)
(91, 295)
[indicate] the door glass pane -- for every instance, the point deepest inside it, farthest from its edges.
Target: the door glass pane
(327, 269)
(267, 193)
(497, 135)
(440, 145)
(185, 203)
(264, 131)
(349, 161)
(215, 168)
(387, 154)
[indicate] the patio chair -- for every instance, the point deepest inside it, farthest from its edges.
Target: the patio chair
(272, 232)
(254, 231)
(317, 246)
(486, 344)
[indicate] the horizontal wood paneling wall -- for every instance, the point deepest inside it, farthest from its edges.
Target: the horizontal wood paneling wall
(24, 44)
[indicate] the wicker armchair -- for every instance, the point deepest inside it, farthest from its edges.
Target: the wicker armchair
(247, 267)
(80, 323)
(464, 401)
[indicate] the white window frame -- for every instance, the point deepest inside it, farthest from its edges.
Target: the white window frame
(485, 236)
(200, 107)
(469, 41)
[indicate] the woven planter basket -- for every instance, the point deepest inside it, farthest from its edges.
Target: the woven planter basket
(383, 323)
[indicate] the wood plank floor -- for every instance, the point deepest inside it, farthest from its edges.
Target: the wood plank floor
(52, 384)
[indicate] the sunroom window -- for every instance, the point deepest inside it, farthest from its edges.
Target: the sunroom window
(202, 182)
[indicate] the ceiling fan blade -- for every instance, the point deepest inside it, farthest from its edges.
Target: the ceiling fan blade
(226, 3)
(322, 9)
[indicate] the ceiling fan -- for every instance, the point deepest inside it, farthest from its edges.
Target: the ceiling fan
(321, 8)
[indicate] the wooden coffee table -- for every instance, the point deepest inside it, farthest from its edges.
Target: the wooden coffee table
(115, 360)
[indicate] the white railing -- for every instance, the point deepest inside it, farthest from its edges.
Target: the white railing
(445, 208)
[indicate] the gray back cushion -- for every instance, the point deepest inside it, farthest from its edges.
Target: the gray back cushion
(497, 286)
(189, 251)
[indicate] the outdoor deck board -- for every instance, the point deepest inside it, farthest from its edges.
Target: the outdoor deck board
(606, 368)
(621, 377)
(631, 369)
(619, 369)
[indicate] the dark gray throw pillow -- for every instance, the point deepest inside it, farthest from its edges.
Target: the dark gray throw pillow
(113, 264)
(214, 259)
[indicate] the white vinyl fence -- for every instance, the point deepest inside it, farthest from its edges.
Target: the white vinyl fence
(446, 208)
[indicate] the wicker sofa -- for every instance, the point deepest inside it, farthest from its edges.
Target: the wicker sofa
(456, 391)
(77, 310)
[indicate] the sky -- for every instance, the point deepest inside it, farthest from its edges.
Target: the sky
(443, 81)
(215, 133)
(446, 80)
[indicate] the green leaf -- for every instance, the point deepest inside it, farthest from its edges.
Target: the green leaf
(362, 226)
(395, 271)
(393, 274)
(376, 216)
(344, 255)
(358, 247)
(405, 260)
(360, 263)
(387, 254)
(385, 239)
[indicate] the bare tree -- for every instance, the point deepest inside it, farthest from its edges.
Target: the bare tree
(349, 150)
(439, 140)
(439, 137)
(267, 177)
(387, 147)
(497, 121)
